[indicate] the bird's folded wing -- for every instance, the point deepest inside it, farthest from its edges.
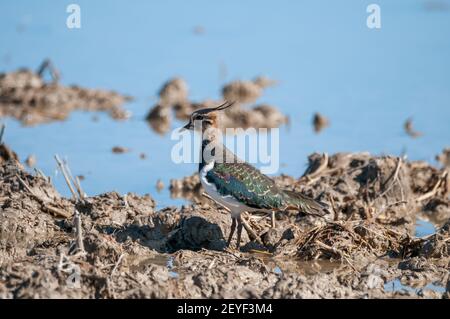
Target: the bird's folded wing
(304, 203)
(246, 184)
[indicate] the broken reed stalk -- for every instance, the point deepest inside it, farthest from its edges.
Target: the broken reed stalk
(66, 177)
(250, 231)
(40, 173)
(316, 234)
(45, 205)
(75, 181)
(116, 266)
(312, 177)
(77, 217)
(434, 190)
(393, 178)
(2, 131)
(273, 219)
(333, 207)
(48, 65)
(79, 231)
(79, 189)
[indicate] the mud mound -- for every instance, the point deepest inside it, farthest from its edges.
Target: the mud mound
(173, 96)
(444, 157)
(435, 246)
(188, 187)
(25, 96)
(6, 154)
(25, 221)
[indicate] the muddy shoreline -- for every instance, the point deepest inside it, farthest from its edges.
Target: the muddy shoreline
(364, 247)
(29, 97)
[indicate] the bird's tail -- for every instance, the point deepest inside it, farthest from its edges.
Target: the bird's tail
(304, 203)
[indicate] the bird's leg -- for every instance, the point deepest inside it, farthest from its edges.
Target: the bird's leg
(239, 232)
(233, 228)
(273, 219)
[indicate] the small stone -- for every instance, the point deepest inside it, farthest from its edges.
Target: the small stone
(120, 150)
(31, 161)
(199, 30)
(159, 185)
(320, 122)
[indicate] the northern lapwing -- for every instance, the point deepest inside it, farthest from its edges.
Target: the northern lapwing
(237, 185)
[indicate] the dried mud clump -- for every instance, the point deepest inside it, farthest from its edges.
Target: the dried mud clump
(320, 122)
(26, 96)
(444, 157)
(246, 91)
(410, 130)
(340, 240)
(174, 98)
(23, 224)
(242, 91)
(6, 154)
(437, 245)
(188, 187)
(31, 160)
(260, 116)
(159, 119)
(120, 150)
(173, 92)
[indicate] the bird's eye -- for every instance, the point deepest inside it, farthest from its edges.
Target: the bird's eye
(199, 118)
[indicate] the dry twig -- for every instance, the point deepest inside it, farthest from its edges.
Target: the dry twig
(312, 177)
(66, 177)
(392, 179)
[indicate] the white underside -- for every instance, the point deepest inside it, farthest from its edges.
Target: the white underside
(228, 201)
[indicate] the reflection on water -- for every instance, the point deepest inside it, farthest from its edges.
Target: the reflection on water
(139, 263)
(293, 265)
(424, 228)
(279, 265)
(396, 285)
(171, 268)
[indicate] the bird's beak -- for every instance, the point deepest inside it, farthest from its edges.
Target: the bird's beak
(188, 127)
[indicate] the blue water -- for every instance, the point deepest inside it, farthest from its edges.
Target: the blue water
(424, 228)
(321, 52)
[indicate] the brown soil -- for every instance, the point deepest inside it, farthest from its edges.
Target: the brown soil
(133, 251)
(26, 96)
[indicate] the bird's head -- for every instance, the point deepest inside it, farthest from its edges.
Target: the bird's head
(206, 118)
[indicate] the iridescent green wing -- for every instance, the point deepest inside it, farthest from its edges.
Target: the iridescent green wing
(247, 184)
